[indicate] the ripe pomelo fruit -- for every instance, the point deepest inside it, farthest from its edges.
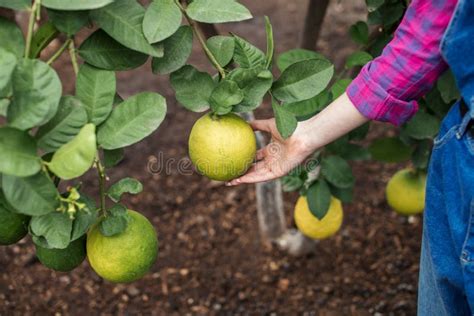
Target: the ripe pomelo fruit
(13, 226)
(124, 257)
(311, 226)
(222, 147)
(406, 192)
(63, 260)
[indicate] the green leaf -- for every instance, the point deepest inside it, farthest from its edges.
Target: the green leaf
(74, 158)
(12, 37)
(226, 94)
(18, 153)
(292, 183)
(435, 103)
(285, 120)
(447, 87)
(4, 103)
(35, 195)
(379, 43)
(307, 108)
(387, 14)
(295, 55)
(69, 22)
(360, 132)
(55, 228)
(45, 34)
(345, 195)
(178, 47)
(303, 80)
(337, 171)
(373, 5)
(74, 5)
(254, 83)
(113, 157)
(247, 55)
(390, 149)
(222, 47)
(132, 120)
(319, 198)
(123, 20)
(7, 65)
(102, 51)
(358, 59)
(193, 88)
(126, 185)
(66, 124)
(270, 43)
(348, 151)
(16, 4)
(359, 32)
(85, 218)
(217, 11)
(339, 87)
(422, 126)
(36, 94)
(162, 19)
(421, 155)
(96, 89)
(116, 222)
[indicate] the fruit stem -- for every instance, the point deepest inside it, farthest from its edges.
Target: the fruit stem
(31, 24)
(201, 40)
(214, 116)
(101, 174)
(72, 53)
(59, 52)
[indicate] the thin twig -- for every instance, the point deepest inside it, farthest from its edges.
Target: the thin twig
(201, 40)
(31, 25)
(59, 52)
(72, 53)
(101, 174)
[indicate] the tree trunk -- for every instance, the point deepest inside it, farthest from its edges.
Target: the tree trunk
(271, 215)
(313, 23)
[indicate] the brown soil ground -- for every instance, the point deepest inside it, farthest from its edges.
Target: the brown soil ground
(211, 259)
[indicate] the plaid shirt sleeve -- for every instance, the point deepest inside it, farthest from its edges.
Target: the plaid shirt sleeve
(386, 89)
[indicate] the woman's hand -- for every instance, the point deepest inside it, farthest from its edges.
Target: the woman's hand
(277, 158)
(282, 155)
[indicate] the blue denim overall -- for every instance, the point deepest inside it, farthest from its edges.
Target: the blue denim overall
(446, 285)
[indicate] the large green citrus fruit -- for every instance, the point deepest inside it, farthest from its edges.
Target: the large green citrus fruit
(63, 260)
(406, 192)
(311, 226)
(125, 257)
(13, 226)
(222, 147)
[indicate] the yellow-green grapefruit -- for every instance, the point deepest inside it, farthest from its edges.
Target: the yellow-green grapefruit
(63, 260)
(311, 226)
(125, 257)
(406, 192)
(13, 226)
(222, 147)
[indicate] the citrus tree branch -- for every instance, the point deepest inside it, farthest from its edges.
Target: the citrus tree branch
(31, 23)
(72, 53)
(101, 174)
(59, 52)
(201, 40)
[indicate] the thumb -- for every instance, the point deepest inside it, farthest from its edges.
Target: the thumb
(262, 125)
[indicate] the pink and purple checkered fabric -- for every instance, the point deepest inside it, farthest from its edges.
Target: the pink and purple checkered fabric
(387, 88)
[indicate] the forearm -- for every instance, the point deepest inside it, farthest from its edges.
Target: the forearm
(336, 120)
